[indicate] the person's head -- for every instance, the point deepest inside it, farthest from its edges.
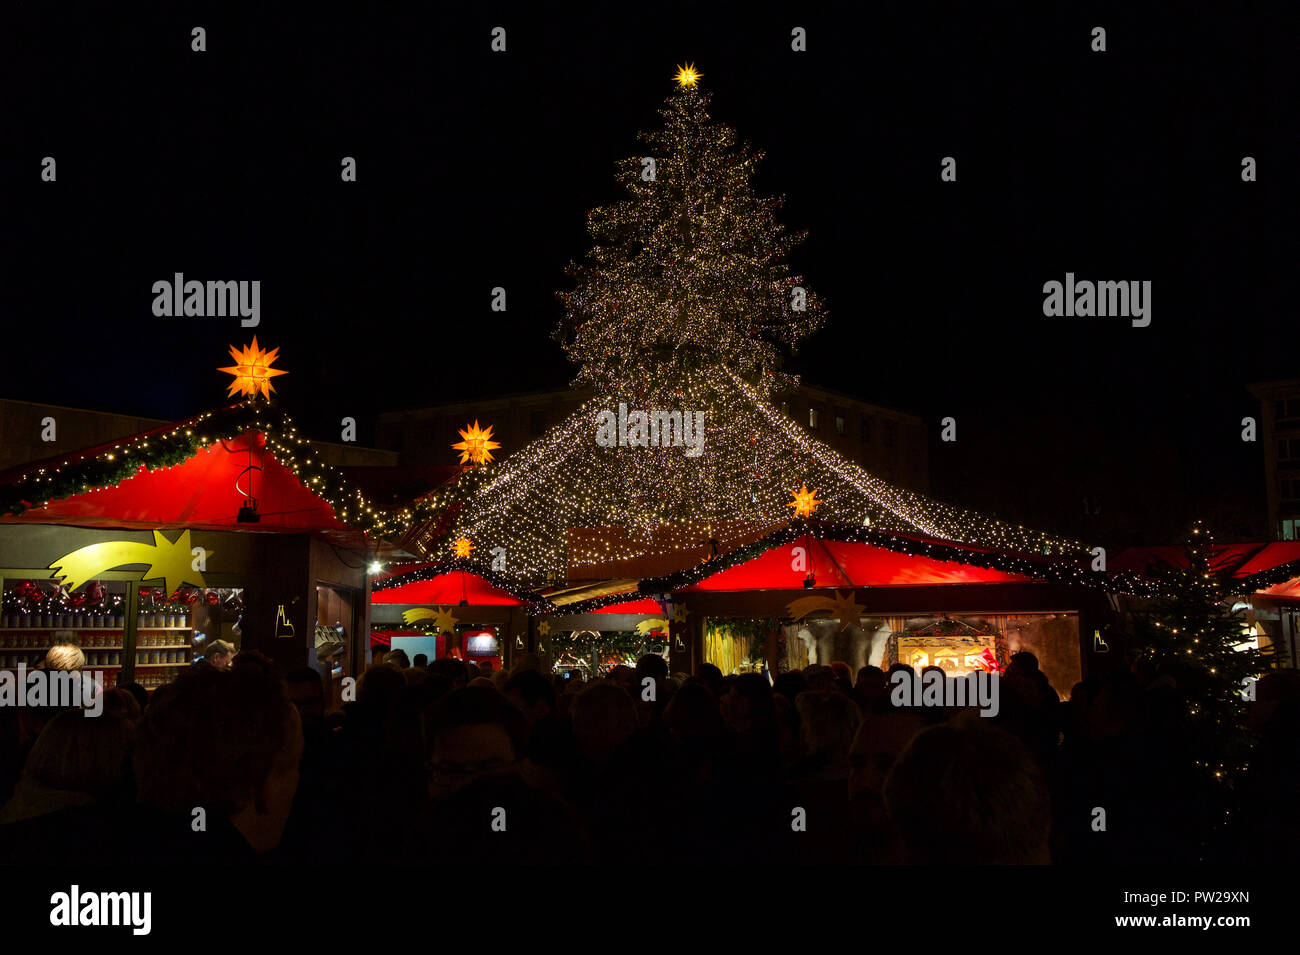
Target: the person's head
(963, 793)
(532, 693)
(1022, 664)
(397, 658)
(485, 668)
(790, 685)
(843, 675)
(229, 742)
(828, 723)
(453, 670)
(652, 664)
(604, 716)
(82, 753)
(711, 677)
(472, 732)
(140, 693)
(380, 686)
(65, 656)
(748, 703)
(306, 691)
(692, 715)
(882, 735)
(421, 661)
(122, 703)
(219, 653)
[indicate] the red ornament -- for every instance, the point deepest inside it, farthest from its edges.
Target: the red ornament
(212, 598)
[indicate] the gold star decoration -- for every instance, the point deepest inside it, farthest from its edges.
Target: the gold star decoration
(252, 370)
(805, 501)
(687, 76)
(679, 613)
(544, 628)
(478, 445)
(444, 621)
(847, 610)
(462, 547)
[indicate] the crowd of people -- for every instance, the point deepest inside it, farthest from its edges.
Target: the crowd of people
(236, 762)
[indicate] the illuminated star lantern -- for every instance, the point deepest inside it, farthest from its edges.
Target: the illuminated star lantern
(478, 445)
(463, 547)
(252, 370)
(687, 76)
(805, 501)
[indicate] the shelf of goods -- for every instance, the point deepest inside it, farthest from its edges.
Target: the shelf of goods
(161, 650)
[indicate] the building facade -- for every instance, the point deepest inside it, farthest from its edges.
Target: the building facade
(1279, 430)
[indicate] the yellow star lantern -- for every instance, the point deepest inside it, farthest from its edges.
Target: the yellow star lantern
(478, 445)
(687, 76)
(252, 370)
(805, 501)
(462, 547)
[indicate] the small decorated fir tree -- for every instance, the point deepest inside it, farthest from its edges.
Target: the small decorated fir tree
(1195, 637)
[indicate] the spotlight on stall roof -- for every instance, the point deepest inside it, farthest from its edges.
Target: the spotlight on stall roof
(375, 567)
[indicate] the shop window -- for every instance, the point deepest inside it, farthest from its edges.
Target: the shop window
(812, 418)
(839, 424)
(36, 615)
(537, 423)
(866, 430)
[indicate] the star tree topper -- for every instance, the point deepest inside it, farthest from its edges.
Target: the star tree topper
(687, 76)
(462, 547)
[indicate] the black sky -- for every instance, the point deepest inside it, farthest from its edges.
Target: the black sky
(476, 169)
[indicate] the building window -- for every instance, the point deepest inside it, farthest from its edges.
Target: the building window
(839, 424)
(812, 418)
(1287, 413)
(537, 422)
(1290, 528)
(866, 430)
(889, 430)
(1290, 491)
(785, 408)
(1288, 449)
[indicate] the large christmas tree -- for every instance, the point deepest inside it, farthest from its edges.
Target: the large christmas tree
(685, 305)
(688, 273)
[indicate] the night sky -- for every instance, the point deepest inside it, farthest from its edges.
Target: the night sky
(476, 169)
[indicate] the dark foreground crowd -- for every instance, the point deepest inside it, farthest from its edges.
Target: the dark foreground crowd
(442, 761)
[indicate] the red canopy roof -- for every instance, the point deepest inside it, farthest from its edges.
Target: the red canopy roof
(1243, 560)
(844, 564)
(203, 492)
(447, 588)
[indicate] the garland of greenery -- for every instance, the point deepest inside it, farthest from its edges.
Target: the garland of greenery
(176, 444)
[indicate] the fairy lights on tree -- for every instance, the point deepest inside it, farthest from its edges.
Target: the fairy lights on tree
(686, 302)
